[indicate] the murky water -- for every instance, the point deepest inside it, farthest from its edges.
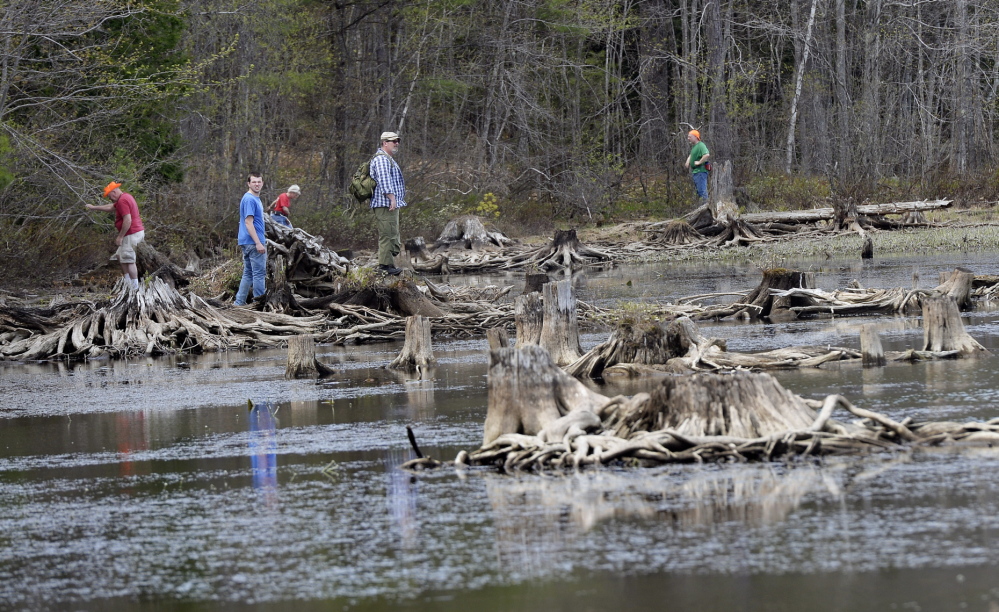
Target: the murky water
(150, 484)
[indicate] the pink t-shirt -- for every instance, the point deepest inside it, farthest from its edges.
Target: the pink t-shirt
(126, 206)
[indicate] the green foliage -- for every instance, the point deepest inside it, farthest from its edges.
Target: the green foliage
(487, 207)
(6, 152)
(781, 192)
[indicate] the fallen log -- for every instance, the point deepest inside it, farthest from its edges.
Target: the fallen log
(828, 214)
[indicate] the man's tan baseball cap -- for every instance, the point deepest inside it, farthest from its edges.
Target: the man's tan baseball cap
(389, 136)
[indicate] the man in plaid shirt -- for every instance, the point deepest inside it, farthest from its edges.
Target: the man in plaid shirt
(389, 197)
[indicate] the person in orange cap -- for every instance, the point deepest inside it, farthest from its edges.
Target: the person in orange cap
(696, 163)
(130, 231)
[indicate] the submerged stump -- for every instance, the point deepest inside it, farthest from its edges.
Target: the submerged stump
(302, 362)
(417, 353)
(943, 329)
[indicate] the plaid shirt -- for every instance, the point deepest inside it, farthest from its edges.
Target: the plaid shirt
(388, 177)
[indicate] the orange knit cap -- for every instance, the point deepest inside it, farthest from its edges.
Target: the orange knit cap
(695, 134)
(111, 187)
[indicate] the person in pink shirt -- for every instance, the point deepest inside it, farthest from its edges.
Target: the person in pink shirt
(129, 225)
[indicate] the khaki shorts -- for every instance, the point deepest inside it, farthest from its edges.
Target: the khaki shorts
(126, 252)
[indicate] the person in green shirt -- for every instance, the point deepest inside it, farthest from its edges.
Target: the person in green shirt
(696, 164)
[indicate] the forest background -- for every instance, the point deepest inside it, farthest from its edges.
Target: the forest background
(531, 113)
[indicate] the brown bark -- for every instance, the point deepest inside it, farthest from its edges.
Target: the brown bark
(409, 301)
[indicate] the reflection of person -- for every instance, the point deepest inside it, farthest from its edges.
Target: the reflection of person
(263, 451)
(279, 208)
(389, 197)
(696, 164)
(251, 241)
(129, 225)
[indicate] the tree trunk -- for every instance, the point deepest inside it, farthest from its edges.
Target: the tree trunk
(497, 338)
(527, 392)
(560, 327)
(528, 316)
(302, 362)
(958, 286)
(943, 329)
(417, 353)
(647, 344)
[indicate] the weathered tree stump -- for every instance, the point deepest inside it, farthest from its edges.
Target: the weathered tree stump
(279, 296)
(560, 327)
(958, 285)
(417, 250)
(417, 353)
(468, 232)
(497, 338)
(742, 405)
(565, 251)
(302, 362)
(871, 351)
(528, 316)
(761, 303)
(943, 329)
(867, 251)
(679, 232)
(722, 194)
(528, 391)
(632, 343)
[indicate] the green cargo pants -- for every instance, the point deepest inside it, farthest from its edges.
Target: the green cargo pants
(389, 242)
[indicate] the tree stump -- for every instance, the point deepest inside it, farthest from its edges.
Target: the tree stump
(560, 327)
(679, 232)
(636, 343)
(943, 329)
(302, 362)
(958, 285)
(497, 338)
(149, 261)
(743, 405)
(528, 391)
(871, 351)
(761, 303)
(528, 316)
(469, 232)
(565, 252)
(417, 353)
(722, 194)
(867, 251)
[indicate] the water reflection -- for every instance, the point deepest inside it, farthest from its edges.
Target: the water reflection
(536, 516)
(263, 452)
(131, 436)
(403, 490)
(419, 392)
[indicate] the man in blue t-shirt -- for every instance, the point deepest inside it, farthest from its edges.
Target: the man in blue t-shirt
(252, 241)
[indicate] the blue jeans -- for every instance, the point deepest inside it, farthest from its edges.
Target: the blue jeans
(254, 273)
(701, 184)
(283, 220)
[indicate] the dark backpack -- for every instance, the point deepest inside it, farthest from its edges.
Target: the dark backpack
(362, 186)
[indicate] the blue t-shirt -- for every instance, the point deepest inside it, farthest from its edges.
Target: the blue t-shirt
(250, 205)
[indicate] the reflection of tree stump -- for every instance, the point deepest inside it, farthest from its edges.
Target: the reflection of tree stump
(958, 285)
(743, 404)
(560, 328)
(867, 251)
(528, 315)
(302, 362)
(528, 392)
(943, 329)
(418, 352)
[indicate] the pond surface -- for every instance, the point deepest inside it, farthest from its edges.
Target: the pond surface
(150, 484)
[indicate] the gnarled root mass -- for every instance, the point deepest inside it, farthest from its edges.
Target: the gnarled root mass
(708, 417)
(156, 319)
